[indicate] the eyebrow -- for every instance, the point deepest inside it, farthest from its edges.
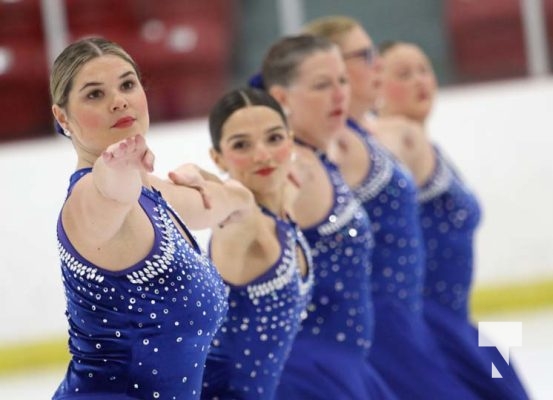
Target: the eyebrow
(240, 135)
(275, 128)
(89, 84)
(237, 136)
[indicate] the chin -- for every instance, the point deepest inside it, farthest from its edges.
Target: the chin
(335, 128)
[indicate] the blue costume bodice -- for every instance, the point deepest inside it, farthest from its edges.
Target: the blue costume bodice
(405, 351)
(449, 214)
(328, 359)
(341, 310)
(249, 350)
(143, 332)
(389, 196)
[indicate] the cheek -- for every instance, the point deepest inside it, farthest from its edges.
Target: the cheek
(282, 154)
(310, 103)
(237, 161)
(142, 103)
(396, 93)
(89, 120)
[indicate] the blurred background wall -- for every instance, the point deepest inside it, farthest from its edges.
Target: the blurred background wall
(492, 116)
(191, 50)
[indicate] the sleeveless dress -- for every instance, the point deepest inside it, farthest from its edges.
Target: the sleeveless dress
(327, 360)
(450, 214)
(143, 332)
(404, 351)
(249, 350)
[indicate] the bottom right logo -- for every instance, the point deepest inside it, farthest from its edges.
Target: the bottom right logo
(502, 335)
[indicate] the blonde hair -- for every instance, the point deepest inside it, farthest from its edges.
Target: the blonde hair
(280, 64)
(73, 57)
(333, 28)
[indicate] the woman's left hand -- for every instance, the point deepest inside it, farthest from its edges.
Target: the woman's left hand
(190, 175)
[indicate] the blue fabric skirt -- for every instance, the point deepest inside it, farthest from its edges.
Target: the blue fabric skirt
(408, 357)
(322, 370)
(458, 339)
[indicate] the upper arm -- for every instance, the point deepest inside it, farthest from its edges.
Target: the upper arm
(230, 244)
(87, 214)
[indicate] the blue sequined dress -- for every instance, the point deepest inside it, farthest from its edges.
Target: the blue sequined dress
(144, 332)
(404, 351)
(450, 214)
(327, 360)
(249, 350)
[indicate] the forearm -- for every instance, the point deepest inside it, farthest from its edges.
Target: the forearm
(208, 176)
(202, 199)
(227, 198)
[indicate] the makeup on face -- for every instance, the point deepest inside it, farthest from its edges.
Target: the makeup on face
(256, 147)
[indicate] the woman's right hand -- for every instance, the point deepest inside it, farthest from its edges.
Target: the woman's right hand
(131, 153)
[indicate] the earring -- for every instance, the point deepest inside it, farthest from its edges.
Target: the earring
(286, 111)
(66, 132)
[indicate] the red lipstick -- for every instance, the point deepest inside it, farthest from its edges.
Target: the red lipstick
(265, 171)
(124, 122)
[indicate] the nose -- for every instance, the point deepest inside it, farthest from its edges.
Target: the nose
(339, 93)
(261, 153)
(119, 102)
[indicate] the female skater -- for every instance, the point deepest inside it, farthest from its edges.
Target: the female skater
(449, 213)
(307, 75)
(262, 255)
(143, 303)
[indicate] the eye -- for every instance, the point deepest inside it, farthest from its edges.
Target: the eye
(276, 137)
(128, 85)
(94, 94)
(404, 74)
(321, 85)
(424, 69)
(240, 145)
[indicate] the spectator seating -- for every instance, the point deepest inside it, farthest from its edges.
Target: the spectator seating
(487, 38)
(24, 97)
(183, 48)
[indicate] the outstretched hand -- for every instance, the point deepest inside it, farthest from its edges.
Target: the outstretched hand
(190, 175)
(131, 152)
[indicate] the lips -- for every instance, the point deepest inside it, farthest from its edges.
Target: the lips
(423, 95)
(265, 171)
(124, 122)
(337, 113)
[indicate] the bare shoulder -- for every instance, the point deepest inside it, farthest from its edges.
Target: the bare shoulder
(315, 195)
(398, 125)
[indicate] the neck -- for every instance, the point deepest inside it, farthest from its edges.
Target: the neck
(420, 120)
(358, 111)
(274, 202)
(364, 121)
(320, 143)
